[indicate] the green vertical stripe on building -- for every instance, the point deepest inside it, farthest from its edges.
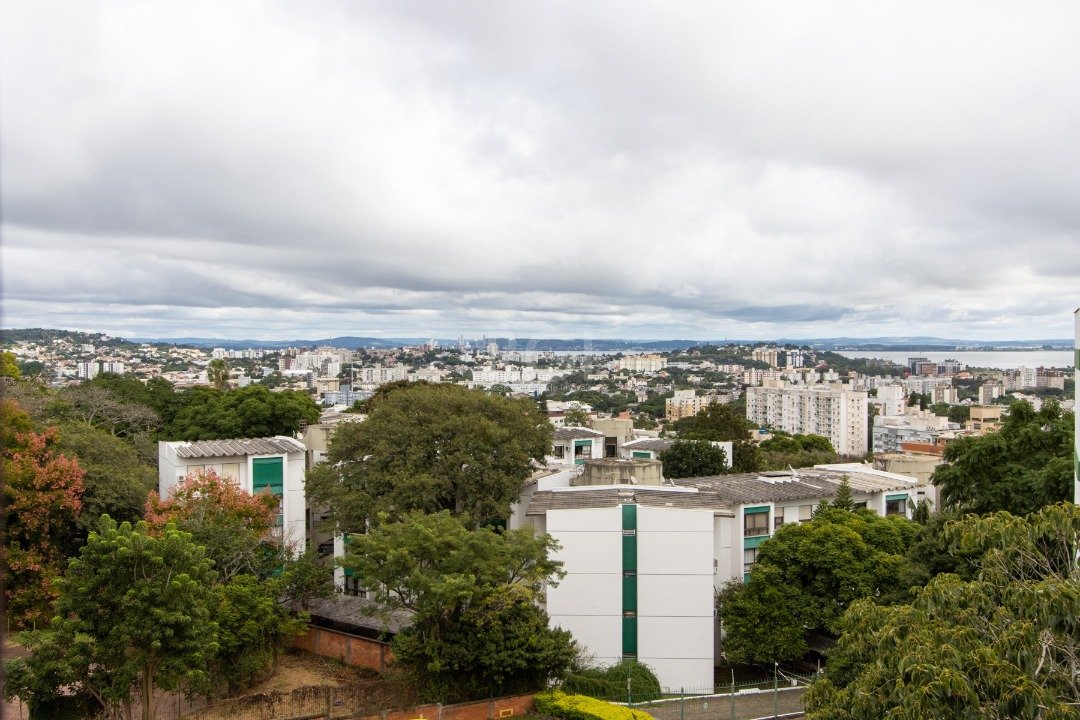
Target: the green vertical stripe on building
(629, 584)
(629, 636)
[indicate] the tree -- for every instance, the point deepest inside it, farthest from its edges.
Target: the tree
(807, 574)
(1004, 644)
(217, 374)
(576, 417)
(1024, 465)
(693, 458)
(98, 406)
(135, 611)
(9, 365)
(42, 496)
(718, 421)
(843, 499)
(252, 411)
(475, 629)
(116, 481)
(233, 525)
(431, 448)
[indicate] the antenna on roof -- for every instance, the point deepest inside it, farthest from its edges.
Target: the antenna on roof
(794, 475)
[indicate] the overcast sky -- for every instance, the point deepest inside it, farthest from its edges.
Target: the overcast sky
(579, 169)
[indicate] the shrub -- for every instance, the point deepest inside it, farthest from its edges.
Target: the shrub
(580, 707)
(610, 683)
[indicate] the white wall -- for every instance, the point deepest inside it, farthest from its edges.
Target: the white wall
(675, 616)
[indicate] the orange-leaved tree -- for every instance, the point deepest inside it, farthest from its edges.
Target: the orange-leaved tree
(42, 497)
(233, 525)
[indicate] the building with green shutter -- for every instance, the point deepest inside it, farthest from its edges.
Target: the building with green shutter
(271, 464)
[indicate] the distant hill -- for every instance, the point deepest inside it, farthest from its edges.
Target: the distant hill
(352, 342)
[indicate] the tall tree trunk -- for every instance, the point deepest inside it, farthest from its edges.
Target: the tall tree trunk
(148, 692)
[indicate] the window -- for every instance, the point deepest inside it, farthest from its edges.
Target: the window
(778, 517)
(755, 523)
(806, 513)
(855, 506)
(749, 558)
(896, 504)
(354, 588)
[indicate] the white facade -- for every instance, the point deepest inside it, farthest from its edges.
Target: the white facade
(833, 411)
(237, 459)
(660, 609)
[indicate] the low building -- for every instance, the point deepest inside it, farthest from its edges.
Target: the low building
(575, 445)
(270, 464)
(650, 448)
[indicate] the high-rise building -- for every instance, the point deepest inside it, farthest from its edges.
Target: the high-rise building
(833, 411)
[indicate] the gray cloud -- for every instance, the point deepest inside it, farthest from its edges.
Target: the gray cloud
(559, 169)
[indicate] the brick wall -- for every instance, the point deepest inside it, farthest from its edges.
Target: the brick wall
(349, 649)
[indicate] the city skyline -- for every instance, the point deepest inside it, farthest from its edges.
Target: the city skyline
(265, 171)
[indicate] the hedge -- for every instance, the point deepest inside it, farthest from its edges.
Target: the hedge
(582, 707)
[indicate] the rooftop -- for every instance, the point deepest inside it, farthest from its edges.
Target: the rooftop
(240, 446)
(578, 498)
(802, 484)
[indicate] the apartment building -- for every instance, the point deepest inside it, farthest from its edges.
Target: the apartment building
(641, 363)
(834, 411)
(686, 403)
(271, 464)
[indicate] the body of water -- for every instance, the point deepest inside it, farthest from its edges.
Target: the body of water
(1001, 360)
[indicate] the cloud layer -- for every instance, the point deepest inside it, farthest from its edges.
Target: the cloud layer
(267, 169)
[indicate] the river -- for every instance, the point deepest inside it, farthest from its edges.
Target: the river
(1002, 359)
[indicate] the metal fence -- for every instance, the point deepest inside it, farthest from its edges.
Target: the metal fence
(777, 695)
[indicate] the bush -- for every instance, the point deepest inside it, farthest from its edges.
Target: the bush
(610, 683)
(580, 707)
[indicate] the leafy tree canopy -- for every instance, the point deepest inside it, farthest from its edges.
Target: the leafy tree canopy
(252, 411)
(693, 458)
(476, 629)
(431, 448)
(807, 574)
(134, 613)
(719, 421)
(1024, 465)
(232, 524)
(41, 498)
(1004, 644)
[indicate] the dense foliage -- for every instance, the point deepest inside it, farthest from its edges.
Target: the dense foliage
(41, 498)
(253, 411)
(719, 421)
(693, 458)
(1003, 644)
(581, 707)
(476, 630)
(134, 613)
(431, 448)
(807, 574)
(1021, 467)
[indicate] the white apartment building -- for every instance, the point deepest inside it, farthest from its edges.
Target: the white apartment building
(643, 562)
(890, 399)
(271, 464)
(945, 394)
(833, 411)
(641, 363)
(87, 370)
(890, 432)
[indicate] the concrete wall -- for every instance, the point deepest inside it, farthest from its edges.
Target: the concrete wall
(675, 617)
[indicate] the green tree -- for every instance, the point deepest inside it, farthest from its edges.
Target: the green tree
(431, 448)
(116, 480)
(1003, 644)
(135, 612)
(718, 421)
(253, 411)
(693, 458)
(576, 417)
(217, 374)
(9, 365)
(476, 629)
(807, 574)
(1024, 465)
